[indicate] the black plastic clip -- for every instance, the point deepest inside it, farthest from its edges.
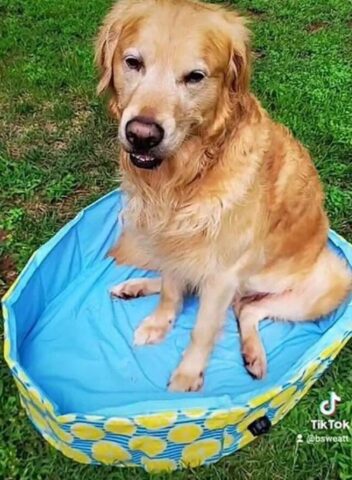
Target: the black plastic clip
(260, 426)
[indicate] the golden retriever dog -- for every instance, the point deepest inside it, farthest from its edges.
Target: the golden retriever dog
(221, 200)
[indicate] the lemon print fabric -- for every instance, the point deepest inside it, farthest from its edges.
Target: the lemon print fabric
(151, 446)
(223, 418)
(157, 422)
(7, 343)
(246, 438)
(84, 431)
(5, 313)
(22, 390)
(229, 441)
(194, 413)
(217, 420)
(264, 398)
(307, 386)
(35, 397)
(75, 454)
(158, 466)
(310, 371)
(120, 426)
(252, 417)
(37, 417)
(23, 376)
(49, 407)
(332, 350)
(284, 409)
(199, 452)
(185, 433)
(59, 432)
(283, 396)
(7, 349)
(68, 418)
(109, 453)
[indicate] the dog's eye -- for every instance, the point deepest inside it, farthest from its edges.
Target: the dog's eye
(133, 63)
(196, 76)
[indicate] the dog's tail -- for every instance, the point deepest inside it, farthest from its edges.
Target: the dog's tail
(333, 278)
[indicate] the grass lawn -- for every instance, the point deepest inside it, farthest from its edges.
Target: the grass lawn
(58, 153)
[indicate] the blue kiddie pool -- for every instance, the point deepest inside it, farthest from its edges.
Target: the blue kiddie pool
(97, 399)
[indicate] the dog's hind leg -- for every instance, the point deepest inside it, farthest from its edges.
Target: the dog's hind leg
(324, 288)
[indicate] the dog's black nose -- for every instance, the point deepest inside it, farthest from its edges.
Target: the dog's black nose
(143, 134)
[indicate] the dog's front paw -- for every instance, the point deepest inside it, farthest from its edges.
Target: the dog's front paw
(152, 330)
(184, 380)
(127, 290)
(254, 357)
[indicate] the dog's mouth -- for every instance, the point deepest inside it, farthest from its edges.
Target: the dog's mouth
(145, 160)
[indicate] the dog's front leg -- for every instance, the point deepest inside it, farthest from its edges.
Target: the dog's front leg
(216, 296)
(155, 327)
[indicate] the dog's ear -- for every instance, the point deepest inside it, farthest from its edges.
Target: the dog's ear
(124, 15)
(240, 61)
(105, 47)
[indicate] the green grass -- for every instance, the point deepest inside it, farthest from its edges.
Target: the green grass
(58, 152)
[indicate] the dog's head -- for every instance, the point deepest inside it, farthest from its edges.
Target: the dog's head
(174, 69)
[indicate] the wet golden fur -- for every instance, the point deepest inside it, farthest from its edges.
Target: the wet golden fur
(236, 202)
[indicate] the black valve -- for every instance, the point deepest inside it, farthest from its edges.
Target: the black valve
(260, 426)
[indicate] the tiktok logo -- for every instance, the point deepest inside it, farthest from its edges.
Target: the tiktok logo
(328, 407)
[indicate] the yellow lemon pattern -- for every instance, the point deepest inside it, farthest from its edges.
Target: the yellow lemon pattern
(22, 376)
(185, 433)
(35, 397)
(199, 452)
(236, 415)
(63, 419)
(52, 441)
(195, 413)
(217, 420)
(87, 432)
(241, 427)
(37, 417)
(246, 438)
(265, 397)
(222, 419)
(120, 426)
(59, 432)
(151, 446)
(157, 422)
(7, 349)
(310, 370)
(229, 440)
(306, 388)
(75, 454)
(22, 401)
(281, 412)
(283, 397)
(23, 391)
(332, 350)
(5, 313)
(93, 418)
(109, 453)
(49, 407)
(157, 466)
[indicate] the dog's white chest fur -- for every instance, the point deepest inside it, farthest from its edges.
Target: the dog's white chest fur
(181, 238)
(186, 240)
